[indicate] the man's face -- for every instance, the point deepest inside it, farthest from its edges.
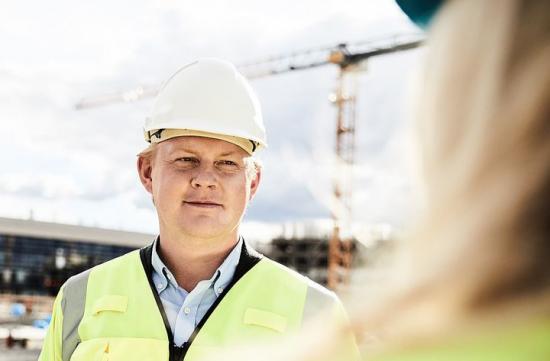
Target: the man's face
(199, 186)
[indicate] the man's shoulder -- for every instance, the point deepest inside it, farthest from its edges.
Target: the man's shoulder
(314, 290)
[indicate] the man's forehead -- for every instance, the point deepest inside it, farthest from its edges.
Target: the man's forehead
(202, 145)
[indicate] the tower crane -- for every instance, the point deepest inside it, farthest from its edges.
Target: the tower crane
(348, 58)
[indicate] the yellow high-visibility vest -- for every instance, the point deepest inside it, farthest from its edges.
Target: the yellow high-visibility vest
(113, 312)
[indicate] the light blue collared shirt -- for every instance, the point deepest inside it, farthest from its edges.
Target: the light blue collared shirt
(183, 309)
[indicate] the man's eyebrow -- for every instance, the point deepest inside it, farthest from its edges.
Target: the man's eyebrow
(192, 151)
(227, 153)
(186, 150)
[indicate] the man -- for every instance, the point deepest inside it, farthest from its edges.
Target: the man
(199, 286)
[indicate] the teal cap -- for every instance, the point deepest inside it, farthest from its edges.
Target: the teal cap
(420, 12)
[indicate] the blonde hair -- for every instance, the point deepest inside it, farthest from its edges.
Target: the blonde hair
(149, 152)
(483, 117)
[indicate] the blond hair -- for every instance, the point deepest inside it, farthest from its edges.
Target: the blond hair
(483, 117)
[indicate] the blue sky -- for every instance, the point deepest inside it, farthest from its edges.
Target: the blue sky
(78, 167)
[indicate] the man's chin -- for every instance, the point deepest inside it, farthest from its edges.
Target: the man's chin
(203, 229)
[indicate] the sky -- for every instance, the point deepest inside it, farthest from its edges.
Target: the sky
(78, 167)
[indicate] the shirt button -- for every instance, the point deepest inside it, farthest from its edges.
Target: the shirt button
(186, 310)
(159, 286)
(220, 289)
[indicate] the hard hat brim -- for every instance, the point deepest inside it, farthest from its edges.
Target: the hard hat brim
(160, 135)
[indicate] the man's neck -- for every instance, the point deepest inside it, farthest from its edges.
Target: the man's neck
(192, 260)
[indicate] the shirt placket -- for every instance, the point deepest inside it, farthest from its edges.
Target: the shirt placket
(187, 315)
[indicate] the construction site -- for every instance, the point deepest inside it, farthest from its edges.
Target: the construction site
(334, 241)
(357, 180)
(38, 257)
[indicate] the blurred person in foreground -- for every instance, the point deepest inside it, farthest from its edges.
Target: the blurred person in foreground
(198, 286)
(475, 271)
(478, 263)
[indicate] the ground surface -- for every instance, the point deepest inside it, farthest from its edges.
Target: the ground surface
(18, 354)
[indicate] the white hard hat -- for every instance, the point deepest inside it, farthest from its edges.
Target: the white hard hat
(208, 98)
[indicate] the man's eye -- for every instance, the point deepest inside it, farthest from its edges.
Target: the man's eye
(227, 164)
(187, 161)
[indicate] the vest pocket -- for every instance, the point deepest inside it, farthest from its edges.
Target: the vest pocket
(110, 303)
(121, 348)
(273, 321)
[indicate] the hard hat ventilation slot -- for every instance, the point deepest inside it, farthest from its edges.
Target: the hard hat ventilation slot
(156, 134)
(254, 145)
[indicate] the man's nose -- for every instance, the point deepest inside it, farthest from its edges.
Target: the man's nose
(204, 178)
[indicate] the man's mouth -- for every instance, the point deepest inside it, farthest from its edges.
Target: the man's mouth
(202, 204)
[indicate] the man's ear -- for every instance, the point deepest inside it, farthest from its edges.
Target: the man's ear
(255, 183)
(145, 169)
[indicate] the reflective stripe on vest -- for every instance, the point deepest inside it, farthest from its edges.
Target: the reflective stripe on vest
(75, 291)
(120, 318)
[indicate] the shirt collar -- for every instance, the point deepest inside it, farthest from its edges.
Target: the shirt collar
(219, 280)
(226, 271)
(160, 268)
